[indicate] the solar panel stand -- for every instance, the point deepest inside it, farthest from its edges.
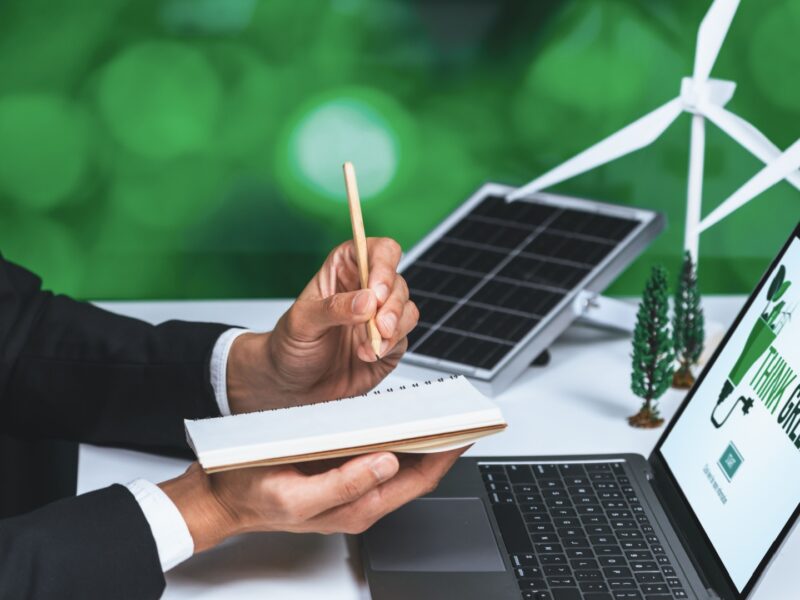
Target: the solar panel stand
(604, 312)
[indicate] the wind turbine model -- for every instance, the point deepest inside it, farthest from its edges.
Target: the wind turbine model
(703, 98)
(781, 168)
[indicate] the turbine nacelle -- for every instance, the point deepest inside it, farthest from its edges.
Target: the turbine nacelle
(695, 96)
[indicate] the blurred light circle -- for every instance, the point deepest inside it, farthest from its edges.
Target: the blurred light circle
(361, 125)
(246, 115)
(44, 149)
(160, 99)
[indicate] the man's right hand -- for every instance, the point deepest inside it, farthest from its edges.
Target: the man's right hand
(347, 498)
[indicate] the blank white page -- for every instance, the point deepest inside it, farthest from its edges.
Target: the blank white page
(391, 414)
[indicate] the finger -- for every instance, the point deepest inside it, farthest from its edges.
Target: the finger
(392, 309)
(397, 344)
(384, 256)
(420, 475)
(310, 319)
(346, 483)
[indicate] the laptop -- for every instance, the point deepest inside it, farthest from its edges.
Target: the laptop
(700, 518)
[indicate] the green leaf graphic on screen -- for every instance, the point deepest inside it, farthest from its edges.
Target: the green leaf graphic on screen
(765, 330)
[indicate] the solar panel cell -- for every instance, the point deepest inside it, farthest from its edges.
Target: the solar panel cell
(539, 271)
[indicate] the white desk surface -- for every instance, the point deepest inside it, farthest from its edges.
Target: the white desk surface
(577, 404)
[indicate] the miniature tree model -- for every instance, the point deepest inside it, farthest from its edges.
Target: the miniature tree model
(652, 350)
(687, 326)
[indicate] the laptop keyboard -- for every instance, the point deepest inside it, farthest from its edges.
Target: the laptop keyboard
(576, 531)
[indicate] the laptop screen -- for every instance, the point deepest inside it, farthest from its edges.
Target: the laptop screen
(734, 450)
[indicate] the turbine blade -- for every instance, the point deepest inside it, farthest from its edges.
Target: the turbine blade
(637, 135)
(711, 35)
(747, 136)
(767, 177)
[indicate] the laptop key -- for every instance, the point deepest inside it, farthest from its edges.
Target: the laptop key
(638, 555)
(644, 565)
(501, 498)
(580, 552)
(649, 578)
(588, 575)
(584, 563)
(654, 588)
(608, 550)
(679, 593)
(593, 586)
(673, 582)
(555, 582)
(613, 561)
(497, 487)
(602, 540)
(633, 545)
(566, 594)
(553, 559)
(532, 584)
(626, 595)
(546, 472)
(528, 573)
(541, 528)
(598, 529)
(591, 467)
(575, 542)
(531, 595)
(544, 538)
(549, 549)
(536, 518)
(622, 584)
(597, 597)
(558, 571)
(668, 571)
(617, 572)
(519, 474)
(524, 560)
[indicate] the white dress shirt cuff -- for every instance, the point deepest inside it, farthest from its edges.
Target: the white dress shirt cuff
(173, 540)
(219, 368)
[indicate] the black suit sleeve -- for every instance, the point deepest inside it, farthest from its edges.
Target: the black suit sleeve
(70, 370)
(97, 545)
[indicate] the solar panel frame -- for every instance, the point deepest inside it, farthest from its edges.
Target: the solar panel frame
(493, 380)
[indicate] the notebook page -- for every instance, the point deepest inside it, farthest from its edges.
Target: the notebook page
(397, 413)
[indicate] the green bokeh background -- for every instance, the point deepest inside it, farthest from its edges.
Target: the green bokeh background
(192, 148)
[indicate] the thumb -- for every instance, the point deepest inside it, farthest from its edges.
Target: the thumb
(349, 482)
(314, 317)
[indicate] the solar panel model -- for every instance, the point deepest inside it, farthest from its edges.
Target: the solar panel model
(497, 281)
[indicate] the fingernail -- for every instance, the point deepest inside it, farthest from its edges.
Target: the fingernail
(361, 302)
(389, 323)
(381, 291)
(383, 467)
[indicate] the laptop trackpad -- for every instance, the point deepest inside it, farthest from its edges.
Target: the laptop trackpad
(435, 535)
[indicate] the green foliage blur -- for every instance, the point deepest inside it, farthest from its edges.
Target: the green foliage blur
(193, 148)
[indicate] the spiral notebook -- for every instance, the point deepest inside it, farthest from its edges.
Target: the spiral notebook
(429, 416)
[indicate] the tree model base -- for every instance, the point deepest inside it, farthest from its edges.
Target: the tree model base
(683, 379)
(646, 419)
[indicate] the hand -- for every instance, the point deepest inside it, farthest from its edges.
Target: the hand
(304, 498)
(319, 350)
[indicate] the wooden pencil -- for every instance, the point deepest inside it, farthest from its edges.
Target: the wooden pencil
(360, 242)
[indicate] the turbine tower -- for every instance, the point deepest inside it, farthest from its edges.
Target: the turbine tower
(703, 98)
